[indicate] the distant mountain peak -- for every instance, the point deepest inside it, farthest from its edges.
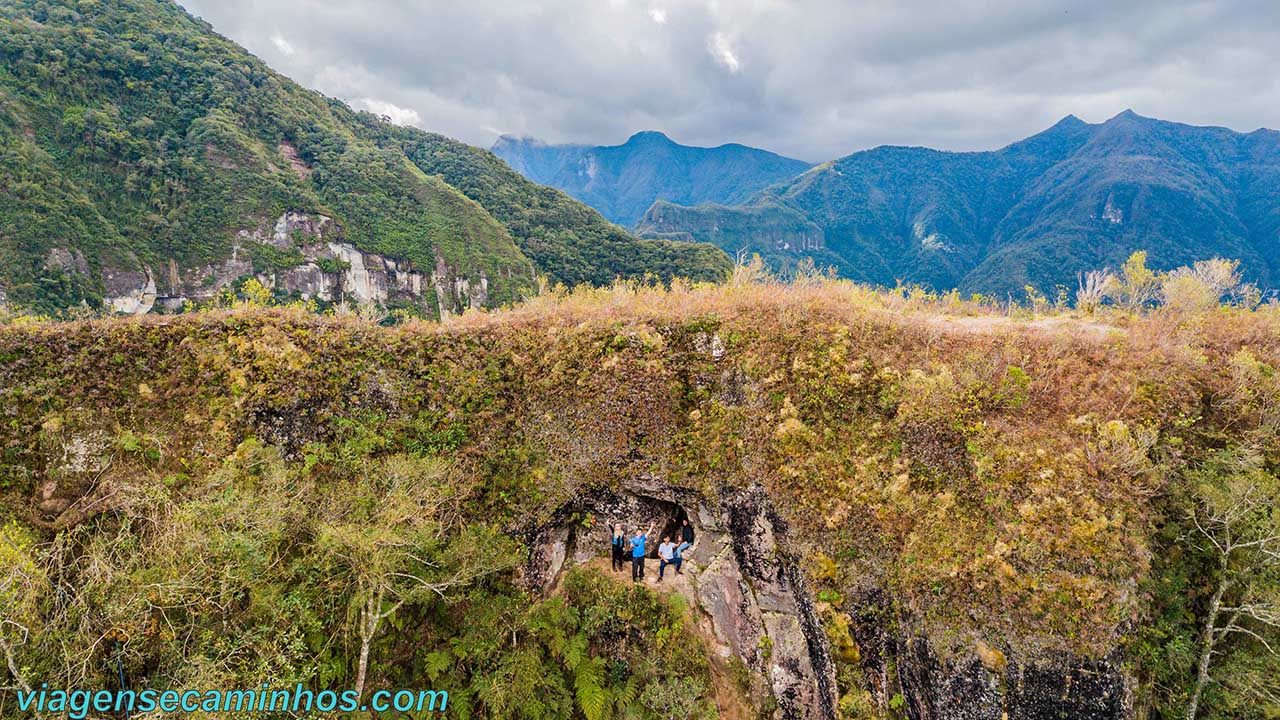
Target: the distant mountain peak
(650, 136)
(1075, 197)
(623, 181)
(1127, 115)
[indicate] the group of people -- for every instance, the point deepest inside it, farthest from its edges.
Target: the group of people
(669, 553)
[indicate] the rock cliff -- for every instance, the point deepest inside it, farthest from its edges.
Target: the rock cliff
(742, 584)
(310, 262)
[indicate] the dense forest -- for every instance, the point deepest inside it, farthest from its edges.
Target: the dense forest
(134, 141)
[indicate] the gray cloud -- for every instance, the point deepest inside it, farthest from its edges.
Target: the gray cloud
(815, 79)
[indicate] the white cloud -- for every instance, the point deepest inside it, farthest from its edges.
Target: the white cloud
(282, 45)
(815, 79)
(398, 115)
(722, 51)
(659, 15)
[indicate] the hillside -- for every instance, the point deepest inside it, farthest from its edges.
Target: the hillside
(1074, 197)
(566, 240)
(145, 161)
(903, 506)
(622, 181)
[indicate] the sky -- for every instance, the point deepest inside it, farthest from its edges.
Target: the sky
(814, 79)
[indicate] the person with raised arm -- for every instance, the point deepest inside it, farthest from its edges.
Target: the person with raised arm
(637, 553)
(618, 547)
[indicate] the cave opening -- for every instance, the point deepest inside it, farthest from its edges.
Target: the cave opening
(671, 528)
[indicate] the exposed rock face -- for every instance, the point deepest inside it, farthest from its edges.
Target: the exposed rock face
(331, 270)
(132, 291)
(76, 451)
(752, 599)
(296, 163)
(364, 277)
(747, 591)
(67, 261)
(455, 293)
(294, 227)
(965, 687)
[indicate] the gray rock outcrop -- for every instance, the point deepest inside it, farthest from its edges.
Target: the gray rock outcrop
(329, 269)
(746, 590)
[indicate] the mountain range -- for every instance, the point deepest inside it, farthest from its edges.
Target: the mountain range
(622, 181)
(1075, 197)
(146, 161)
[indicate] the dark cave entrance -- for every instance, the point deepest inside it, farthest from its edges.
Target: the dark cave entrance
(672, 527)
(635, 512)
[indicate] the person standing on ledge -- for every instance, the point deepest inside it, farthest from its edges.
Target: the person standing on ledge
(637, 554)
(618, 547)
(686, 531)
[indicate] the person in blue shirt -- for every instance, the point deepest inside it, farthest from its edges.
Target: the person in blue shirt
(618, 547)
(637, 554)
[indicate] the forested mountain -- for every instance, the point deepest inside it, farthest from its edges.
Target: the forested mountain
(145, 159)
(1075, 197)
(622, 181)
(566, 240)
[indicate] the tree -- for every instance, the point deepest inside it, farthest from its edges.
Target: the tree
(1136, 286)
(1238, 514)
(1093, 289)
(398, 538)
(1201, 286)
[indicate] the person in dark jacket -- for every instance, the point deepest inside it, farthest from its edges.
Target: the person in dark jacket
(686, 531)
(618, 547)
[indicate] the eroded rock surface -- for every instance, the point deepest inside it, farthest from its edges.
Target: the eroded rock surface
(745, 589)
(982, 684)
(329, 269)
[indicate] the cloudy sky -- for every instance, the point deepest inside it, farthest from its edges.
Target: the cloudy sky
(815, 79)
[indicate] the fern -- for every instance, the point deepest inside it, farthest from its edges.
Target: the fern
(624, 696)
(436, 662)
(575, 650)
(588, 681)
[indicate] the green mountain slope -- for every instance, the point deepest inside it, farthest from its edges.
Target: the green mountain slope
(144, 158)
(622, 181)
(1075, 197)
(569, 242)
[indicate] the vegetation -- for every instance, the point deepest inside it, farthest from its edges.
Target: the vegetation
(568, 242)
(255, 494)
(132, 136)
